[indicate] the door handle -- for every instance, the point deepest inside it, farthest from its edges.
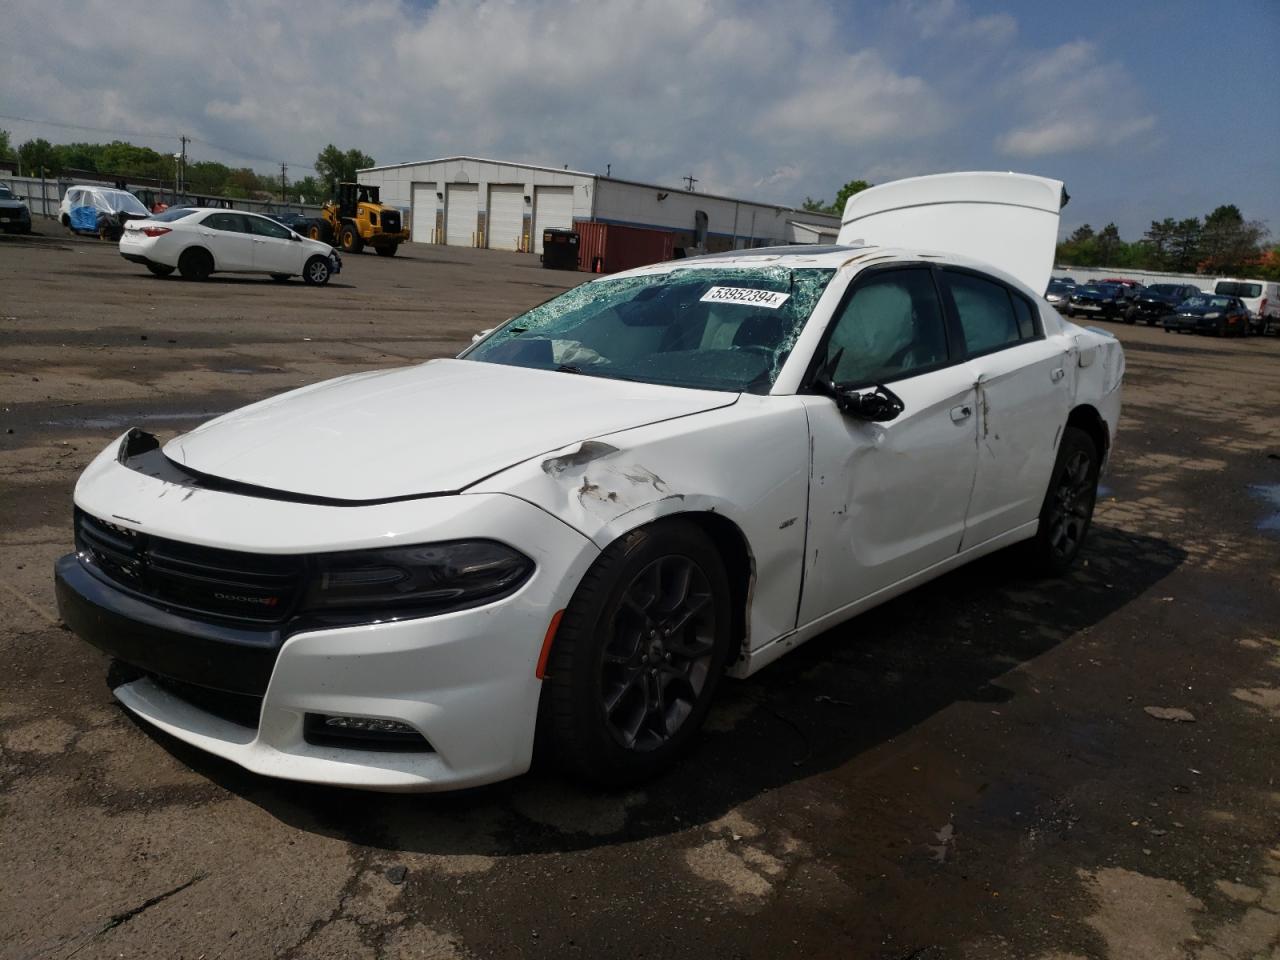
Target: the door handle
(961, 413)
(1056, 374)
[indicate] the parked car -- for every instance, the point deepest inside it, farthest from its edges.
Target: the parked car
(1210, 313)
(101, 211)
(1159, 300)
(1110, 301)
(1261, 297)
(199, 242)
(15, 216)
(1059, 294)
(1067, 280)
(399, 579)
(308, 226)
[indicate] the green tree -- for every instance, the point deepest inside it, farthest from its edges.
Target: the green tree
(1109, 244)
(333, 164)
(308, 190)
(38, 153)
(1228, 241)
(842, 197)
(6, 148)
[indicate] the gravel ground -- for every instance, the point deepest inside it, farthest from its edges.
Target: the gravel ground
(970, 771)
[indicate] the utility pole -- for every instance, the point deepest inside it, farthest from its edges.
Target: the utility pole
(284, 169)
(690, 180)
(182, 165)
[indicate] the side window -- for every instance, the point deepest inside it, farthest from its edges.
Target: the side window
(986, 311)
(890, 327)
(267, 228)
(1026, 317)
(230, 222)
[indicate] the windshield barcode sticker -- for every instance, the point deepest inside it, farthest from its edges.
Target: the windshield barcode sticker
(746, 296)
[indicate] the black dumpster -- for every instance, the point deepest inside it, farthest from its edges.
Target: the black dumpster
(560, 249)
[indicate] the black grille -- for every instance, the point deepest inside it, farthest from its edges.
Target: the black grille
(228, 584)
(390, 221)
(243, 709)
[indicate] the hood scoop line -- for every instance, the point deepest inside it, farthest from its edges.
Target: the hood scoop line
(152, 462)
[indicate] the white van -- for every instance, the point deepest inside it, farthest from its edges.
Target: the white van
(1262, 297)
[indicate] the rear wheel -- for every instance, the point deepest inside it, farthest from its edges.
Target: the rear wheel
(195, 265)
(159, 269)
(388, 251)
(637, 656)
(316, 272)
(1067, 511)
(351, 242)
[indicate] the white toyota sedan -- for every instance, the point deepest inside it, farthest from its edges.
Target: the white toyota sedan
(198, 241)
(403, 579)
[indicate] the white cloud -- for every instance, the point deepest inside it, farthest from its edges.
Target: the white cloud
(1071, 100)
(768, 101)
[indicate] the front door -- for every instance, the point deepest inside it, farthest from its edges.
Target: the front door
(888, 500)
(274, 250)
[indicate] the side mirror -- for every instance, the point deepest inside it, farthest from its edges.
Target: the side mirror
(878, 406)
(294, 236)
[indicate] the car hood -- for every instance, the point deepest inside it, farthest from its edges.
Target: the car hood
(434, 428)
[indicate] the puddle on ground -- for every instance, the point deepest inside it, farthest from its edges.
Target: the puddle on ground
(120, 420)
(1270, 494)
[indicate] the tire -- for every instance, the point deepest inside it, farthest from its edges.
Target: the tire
(313, 232)
(387, 251)
(350, 240)
(316, 271)
(1067, 510)
(606, 714)
(195, 265)
(159, 269)
(280, 277)
(1130, 316)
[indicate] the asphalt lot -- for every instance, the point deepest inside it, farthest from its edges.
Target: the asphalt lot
(968, 771)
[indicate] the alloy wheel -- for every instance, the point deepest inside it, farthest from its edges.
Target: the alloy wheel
(657, 660)
(1072, 505)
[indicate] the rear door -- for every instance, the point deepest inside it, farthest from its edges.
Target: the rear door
(226, 235)
(1008, 220)
(1023, 394)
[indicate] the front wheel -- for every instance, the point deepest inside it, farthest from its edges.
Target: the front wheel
(1067, 510)
(637, 657)
(316, 272)
(159, 269)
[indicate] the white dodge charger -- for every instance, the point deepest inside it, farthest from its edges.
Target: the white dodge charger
(198, 241)
(403, 579)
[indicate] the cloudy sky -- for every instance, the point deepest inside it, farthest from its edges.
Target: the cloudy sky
(1146, 108)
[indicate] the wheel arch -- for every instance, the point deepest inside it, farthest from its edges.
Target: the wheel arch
(1087, 418)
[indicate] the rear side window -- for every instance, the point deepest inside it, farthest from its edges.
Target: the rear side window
(991, 315)
(231, 222)
(1236, 288)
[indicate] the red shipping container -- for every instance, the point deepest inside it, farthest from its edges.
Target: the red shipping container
(610, 247)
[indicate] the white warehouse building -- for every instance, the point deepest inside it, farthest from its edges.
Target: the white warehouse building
(470, 202)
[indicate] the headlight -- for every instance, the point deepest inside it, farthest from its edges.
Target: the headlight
(415, 581)
(1212, 316)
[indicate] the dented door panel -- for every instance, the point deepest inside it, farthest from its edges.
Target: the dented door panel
(888, 500)
(1024, 396)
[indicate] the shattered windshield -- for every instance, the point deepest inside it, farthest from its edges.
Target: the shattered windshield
(714, 329)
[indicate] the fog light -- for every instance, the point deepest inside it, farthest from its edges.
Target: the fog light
(363, 733)
(369, 723)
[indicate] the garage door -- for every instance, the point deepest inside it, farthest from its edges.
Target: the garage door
(424, 213)
(552, 210)
(461, 204)
(506, 216)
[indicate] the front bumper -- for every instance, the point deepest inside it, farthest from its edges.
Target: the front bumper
(465, 680)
